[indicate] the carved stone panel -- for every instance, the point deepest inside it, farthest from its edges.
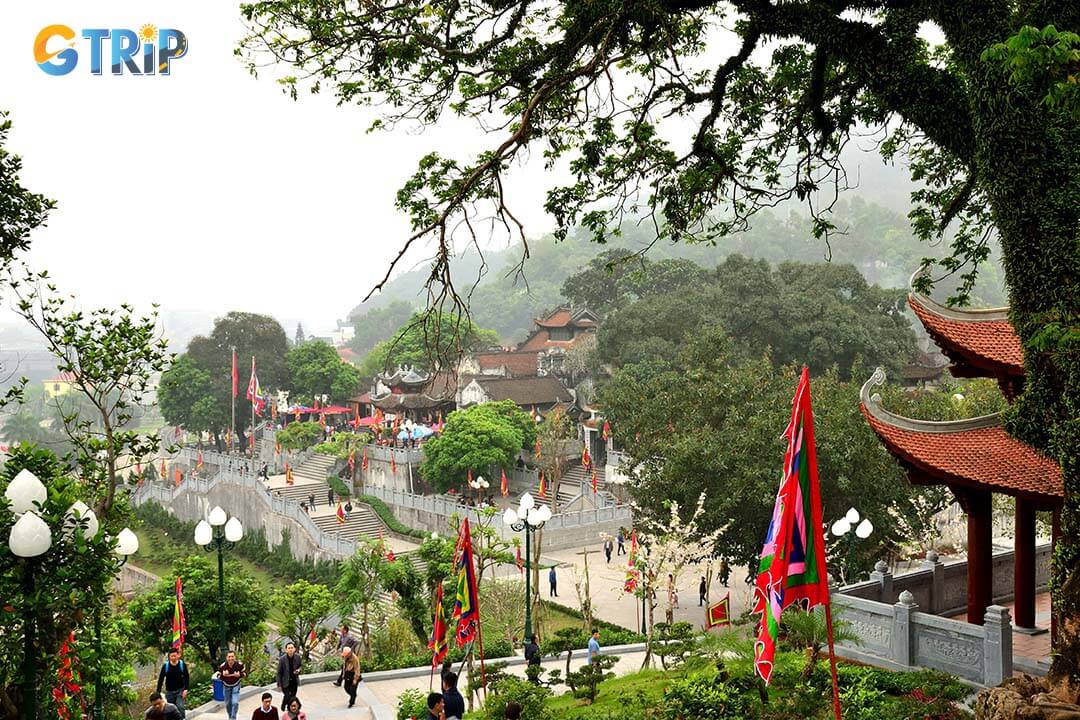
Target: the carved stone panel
(953, 652)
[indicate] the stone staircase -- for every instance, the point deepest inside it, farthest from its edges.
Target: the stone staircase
(317, 467)
(577, 480)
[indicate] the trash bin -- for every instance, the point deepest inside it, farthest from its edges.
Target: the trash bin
(219, 688)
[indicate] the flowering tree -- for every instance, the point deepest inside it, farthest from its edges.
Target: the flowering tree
(666, 548)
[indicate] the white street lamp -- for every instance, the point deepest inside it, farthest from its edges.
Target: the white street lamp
(30, 536)
(840, 527)
(852, 516)
(529, 517)
(864, 529)
(510, 517)
(203, 534)
(24, 491)
(80, 512)
(217, 516)
(127, 543)
(526, 503)
(234, 531)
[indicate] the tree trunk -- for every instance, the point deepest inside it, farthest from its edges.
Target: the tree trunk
(1028, 160)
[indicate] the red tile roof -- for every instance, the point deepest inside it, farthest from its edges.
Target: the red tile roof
(519, 364)
(64, 377)
(985, 457)
(559, 318)
(987, 342)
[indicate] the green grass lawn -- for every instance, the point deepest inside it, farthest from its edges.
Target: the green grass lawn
(612, 698)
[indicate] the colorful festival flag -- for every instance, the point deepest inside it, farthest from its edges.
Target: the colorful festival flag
(297, 416)
(466, 604)
(792, 565)
(393, 461)
(340, 514)
(536, 449)
(235, 375)
(630, 583)
(719, 613)
(164, 471)
(254, 391)
(586, 458)
(595, 483)
(504, 488)
(542, 490)
(518, 560)
(352, 462)
(605, 433)
(438, 645)
(198, 465)
(364, 461)
(288, 475)
(179, 624)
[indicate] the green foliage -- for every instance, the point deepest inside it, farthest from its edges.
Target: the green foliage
(387, 516)
(480, 439)
(578, 637)
(413, 602)
(1043, 61)
(808, 631)
(531, 697)
(673, 643)
(71, 579)
(704, 698)
(304, 608)
(299, 435)
(341, 444)
(359, 584)
(276, 560)
(585, 682)
(316, 369)
(377, 324)
(340, 488)
(426, 341)
(20, 210)
(246, 606)
(411, 704)
(181, 388)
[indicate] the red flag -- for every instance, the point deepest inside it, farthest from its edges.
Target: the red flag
(518, 560)
(393, 461)
(390, 556)
(537, 448)
(437, 643)
(595, 484)
(719, 613)
(586, 459)
(340, 513)
(288, 475)
(322, 419)
(467, 604)
(312, 638)
(630, 583)
(503, 487)
(235, 376)
(179, 477)
(352, 462)
(179, 624)
(277, 448)
(254, 391)
(364, 461)
(606, 432)
(298, 415)
(468, 477)
(199, 463)
(542, 492)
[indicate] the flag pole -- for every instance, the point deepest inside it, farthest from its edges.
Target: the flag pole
(832, 660)
(232, 425)
(253, 401)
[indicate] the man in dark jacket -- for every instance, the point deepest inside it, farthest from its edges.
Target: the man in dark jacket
(453, 703)
(288, 673)
(346, 640)
(161, 710)
(532, 656)
(174, 676)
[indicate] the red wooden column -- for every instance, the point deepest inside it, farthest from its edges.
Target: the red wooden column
(1024, 567)
(979, 552)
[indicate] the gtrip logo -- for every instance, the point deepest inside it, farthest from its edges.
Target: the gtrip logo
(148, 51)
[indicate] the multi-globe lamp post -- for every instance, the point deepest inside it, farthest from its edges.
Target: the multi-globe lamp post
(217, 532)
(844, 527)
(529, 517)
(478, 485)
(31, 537)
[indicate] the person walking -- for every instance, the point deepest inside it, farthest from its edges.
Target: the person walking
(311, 501)
(594, 647)
(608, 547)
(174, 676)
(288, 673)
(266, 710)
(345, 640)
(232, 672)
(330, 496)
(532, 657)
(161, 710)
(702, 591)
(350, 668)
(293, 711)
(453, 702)
(435, 707)
(553, 582)
(724, 572)
(621, 540)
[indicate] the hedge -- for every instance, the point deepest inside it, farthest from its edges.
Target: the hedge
(383, 511)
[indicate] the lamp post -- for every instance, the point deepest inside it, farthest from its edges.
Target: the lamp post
(215, 533)
(31, 537)
(479, 484)
(843, 527)
(528, 517)
(127, 544)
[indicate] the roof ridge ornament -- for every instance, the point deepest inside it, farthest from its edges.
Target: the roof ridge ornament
(873, 406)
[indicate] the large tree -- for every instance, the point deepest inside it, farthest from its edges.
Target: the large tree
(480, 439)
(990, 131)
(317, 369)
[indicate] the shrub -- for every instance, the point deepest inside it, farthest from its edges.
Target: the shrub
(299, 435)
(532, 699)
(702, 698)
(339, 486)
(585, 681)
(611, 634)
(330, 663)
(383, 511)
(412, 703)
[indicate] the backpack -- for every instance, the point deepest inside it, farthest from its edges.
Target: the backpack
(179, 664)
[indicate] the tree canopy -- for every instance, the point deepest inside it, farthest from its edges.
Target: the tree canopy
(480, 439)
(316, 369)
(633, 99)
(428, 340)
(820, 314)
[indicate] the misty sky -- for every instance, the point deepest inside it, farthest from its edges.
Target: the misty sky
(210, 189)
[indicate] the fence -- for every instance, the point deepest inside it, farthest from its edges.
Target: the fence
(402, 456)
(225, 460)
(898, 637)
(331, 543)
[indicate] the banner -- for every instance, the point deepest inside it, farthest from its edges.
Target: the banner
(719, 613)
(179, 624)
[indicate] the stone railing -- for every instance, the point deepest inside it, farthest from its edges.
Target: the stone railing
(941, 588)
(899, 638)
(617, 458)
(224, 460)
(402, 456)
(330, 543)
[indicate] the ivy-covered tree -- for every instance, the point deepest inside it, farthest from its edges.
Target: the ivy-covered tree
(987, 121)
(480, 439)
